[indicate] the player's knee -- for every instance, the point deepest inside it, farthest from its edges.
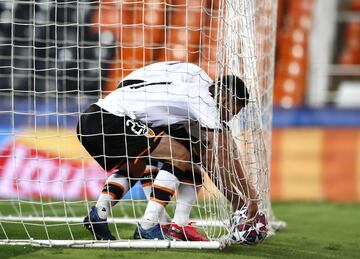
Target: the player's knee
(133, 170)
(193, 175)
(182, 160)
(179, 165)
(184, 154)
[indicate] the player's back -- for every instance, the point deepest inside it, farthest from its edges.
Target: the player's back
(162, 94)
(175, 71)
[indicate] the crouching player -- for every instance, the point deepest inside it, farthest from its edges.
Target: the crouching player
(121, 131)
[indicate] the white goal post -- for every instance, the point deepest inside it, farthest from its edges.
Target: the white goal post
(58, 57)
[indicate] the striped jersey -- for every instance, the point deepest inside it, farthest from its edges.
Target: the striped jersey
(163, 94)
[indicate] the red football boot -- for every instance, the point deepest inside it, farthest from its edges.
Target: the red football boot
(186, 233)
(165, 227)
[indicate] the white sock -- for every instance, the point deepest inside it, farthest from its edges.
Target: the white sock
(156, 207)
(114, 189)
(147, 184)
(152, 213)
(186, 197)
(164, 218)
(103, 205)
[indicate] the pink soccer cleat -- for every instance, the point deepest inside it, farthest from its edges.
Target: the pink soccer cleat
(186, 233)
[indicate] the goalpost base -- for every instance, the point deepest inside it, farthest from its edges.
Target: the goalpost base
(155, 244)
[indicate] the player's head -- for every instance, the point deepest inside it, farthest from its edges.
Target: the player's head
(232, 94)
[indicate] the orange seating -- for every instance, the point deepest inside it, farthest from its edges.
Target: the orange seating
(350, 53)
(174, 30)
(209, 39)
(183, 31)
(292, 61)
(355, 5)
(138, 45)
(187, 25)
(349, 56)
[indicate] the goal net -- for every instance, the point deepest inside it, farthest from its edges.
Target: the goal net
(58, 57)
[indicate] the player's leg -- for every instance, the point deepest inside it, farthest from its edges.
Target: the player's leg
(115, 145)
(188, 189)
(190, 182)
(150, 173)
(122, 143)
(117, 186)
(113, 190)
(152, 168)
(176, 162)
(187, 194)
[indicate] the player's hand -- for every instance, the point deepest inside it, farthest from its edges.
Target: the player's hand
(252, 210)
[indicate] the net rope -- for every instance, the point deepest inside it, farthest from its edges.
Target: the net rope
(58, 57)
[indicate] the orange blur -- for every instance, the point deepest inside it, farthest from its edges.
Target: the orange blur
(316, 164)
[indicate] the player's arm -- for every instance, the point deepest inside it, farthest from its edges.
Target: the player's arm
(231, 172)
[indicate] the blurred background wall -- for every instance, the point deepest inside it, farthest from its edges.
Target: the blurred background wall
(316, 136)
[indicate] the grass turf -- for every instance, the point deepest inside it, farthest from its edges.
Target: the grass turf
(315, 230)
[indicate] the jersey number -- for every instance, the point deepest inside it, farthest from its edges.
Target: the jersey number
(140, 129)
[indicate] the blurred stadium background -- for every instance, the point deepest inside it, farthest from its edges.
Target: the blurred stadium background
(316, 136)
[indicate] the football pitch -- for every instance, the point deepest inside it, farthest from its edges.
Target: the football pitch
(315, 230)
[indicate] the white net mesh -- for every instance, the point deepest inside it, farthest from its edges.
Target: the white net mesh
(58, 57)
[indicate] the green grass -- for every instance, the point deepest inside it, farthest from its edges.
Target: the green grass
(315, 230)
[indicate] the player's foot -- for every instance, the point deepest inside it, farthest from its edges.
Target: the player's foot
(155, 232)
(98, 227)
(164, 227)
(186, 233)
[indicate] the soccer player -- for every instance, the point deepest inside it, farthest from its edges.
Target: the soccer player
(124, 129)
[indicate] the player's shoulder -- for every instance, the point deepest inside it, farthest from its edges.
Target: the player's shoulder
(190, 69)
(174, 71)
(178, 66)
(192, 72)
(167, 67)
(183, 65)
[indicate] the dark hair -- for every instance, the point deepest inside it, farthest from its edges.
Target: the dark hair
(234, 87)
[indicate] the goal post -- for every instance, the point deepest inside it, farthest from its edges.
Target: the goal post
(58, 57)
